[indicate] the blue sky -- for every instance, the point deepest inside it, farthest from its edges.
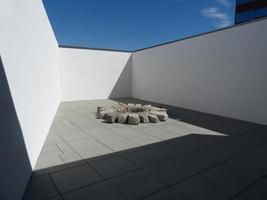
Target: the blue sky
(134, 24)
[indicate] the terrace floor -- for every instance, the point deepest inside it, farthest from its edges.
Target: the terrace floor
(193, 155)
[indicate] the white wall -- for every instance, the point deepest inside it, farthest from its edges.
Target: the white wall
(94, 74)
(222, 73)
(29, 54)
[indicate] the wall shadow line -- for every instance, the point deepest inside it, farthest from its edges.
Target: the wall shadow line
(122, 87)
(15, 167)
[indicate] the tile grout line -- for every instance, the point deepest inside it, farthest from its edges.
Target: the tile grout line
(86, 163)
(181, 155)
(248, 187)
(158, 162)
(209, 168)
(106, 180)
(168, 185)
(59, 194)
(145, 172)
(91, 136)
(130, 140)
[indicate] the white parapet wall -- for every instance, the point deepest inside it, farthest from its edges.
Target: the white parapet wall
(223, 73)
(94, 74)
(29, 54)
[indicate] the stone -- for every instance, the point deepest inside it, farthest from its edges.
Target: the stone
(163, 116)
(112, 117)
(133, 119)
(147, 106)
(153, 118)
(132, 108)
(153, 108)
(123, 104)
(103, 113)
(122, 118)
(99, 108)
(132, 113)
(143, 117)
(120, 108)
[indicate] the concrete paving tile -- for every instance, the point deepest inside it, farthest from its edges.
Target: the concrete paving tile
(40, 188)
(147, 156)
(99, 191)
(74, 178)
(70, 157)
(226, 179)
(120, 145)
(136, 185)
(84, 143)
(137, 136)
(51, 148)
(159, 133)
(64, 147)
(94, 152)
(99, 131)
(70, 136)
(256, 191)
(46, 161)
(53, 139)
(113, 166)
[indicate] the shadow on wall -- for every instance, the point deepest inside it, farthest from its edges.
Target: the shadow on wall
(15, 168)
(123, 85)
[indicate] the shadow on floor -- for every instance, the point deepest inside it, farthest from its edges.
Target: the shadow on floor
(224, 125)
(189, 167)
(15, 168)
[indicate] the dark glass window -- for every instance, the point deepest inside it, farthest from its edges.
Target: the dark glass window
(250, 15)
(239, 2)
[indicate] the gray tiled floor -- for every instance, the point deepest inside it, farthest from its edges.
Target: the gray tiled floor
(193, 155)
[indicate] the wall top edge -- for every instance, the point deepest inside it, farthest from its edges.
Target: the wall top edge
(170, 42)
(91, 48)
(202, 34)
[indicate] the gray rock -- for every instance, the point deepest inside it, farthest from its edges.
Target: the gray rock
(133, 119)
(99, 108)
(103, 113)
(119, 108)
(153, 108)
(146, 106)
(163, 116)
(143, 117)
(153, 118)
(112, 117)
(122, 118)
(123, 104)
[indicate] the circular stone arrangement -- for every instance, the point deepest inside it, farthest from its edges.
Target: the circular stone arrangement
(132, 113)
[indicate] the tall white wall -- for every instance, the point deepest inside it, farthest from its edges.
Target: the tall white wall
(222, 73)
(29, 53)
(94, 74)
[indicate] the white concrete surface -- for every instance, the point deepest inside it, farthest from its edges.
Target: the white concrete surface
(222, 73)
(29, 53)
(94, 74)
